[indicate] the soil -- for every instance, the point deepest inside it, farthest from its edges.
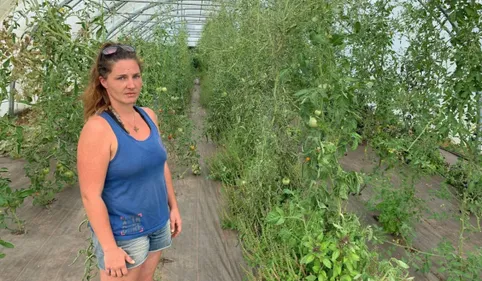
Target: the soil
(429, 231)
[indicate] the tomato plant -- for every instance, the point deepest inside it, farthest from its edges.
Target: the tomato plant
(10, 201)
(290, 87)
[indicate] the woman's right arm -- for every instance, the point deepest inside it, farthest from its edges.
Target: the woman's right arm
(93, 156)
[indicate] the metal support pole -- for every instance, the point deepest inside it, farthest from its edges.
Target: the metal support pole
(11, 99)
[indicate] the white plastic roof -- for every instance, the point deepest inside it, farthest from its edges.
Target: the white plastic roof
(6, 7)
(123, 16)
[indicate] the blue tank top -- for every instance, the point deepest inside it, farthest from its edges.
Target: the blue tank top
(135, 191)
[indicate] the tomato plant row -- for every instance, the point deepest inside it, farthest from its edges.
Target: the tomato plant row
(291, 86)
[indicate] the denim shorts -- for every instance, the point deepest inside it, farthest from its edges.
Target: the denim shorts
(138, 248)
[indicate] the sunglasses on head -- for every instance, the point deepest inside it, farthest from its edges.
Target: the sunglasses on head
(113, 49)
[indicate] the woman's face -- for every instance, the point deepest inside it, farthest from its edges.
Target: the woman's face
(124, 83)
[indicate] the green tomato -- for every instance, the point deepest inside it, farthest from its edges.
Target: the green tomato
(286, 181)
(312, 123)
(317, 112)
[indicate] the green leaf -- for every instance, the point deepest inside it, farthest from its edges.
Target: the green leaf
(308, 258)
(321, 277)
(337, 226)
(336, 270)
(280, 211)
(6, 244)
(355, 257)
(402, 264)
(288, 191)
(280, 221)
(304, 93)
(345, 278)
(310, 278)
(2, 255)
(335, 255)
(6, 63)
(357, 27)
(327, 262)
(319, 238)
(349, 266)
(317, 39)
(273, 217)
(308, 244)
(470, 12)
(337, 39)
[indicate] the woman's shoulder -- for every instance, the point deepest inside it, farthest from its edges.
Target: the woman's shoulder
(96, 124)
(151, 113)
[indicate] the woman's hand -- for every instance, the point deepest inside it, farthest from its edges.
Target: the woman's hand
(115, 262)
(176, 223)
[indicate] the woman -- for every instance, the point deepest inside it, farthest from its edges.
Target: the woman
(125, 182)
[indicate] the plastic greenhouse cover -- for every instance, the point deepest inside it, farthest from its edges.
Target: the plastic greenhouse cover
(125, 16)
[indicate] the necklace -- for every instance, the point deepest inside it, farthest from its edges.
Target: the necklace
(117, 116)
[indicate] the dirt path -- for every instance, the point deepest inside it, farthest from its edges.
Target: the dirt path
(204, 251)
(52, 241)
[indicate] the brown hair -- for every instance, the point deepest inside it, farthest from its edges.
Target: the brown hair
(95, 96)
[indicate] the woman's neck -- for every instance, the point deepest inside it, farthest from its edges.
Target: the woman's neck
(124, 109)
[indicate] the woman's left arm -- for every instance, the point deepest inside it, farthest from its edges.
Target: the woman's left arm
(175, 216)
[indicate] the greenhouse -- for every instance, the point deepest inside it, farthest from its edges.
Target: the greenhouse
(275, 140)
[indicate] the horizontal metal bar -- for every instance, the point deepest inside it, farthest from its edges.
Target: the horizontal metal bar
(167, 11)
(161, 17)
(198, 22)
(201, 2)
(110, 33)
(151, 27)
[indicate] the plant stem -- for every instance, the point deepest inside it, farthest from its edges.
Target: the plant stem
(478, 141)
(17, 221)
(413, 249)
(462, 223)
(420, 135)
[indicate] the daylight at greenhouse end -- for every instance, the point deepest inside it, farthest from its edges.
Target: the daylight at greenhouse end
(233, 140)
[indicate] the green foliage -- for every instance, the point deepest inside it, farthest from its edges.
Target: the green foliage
(317, 248)
(292, 85)
(284, 109)
(397, 206)
(10, 201)
(467, 179)
(456, 267)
